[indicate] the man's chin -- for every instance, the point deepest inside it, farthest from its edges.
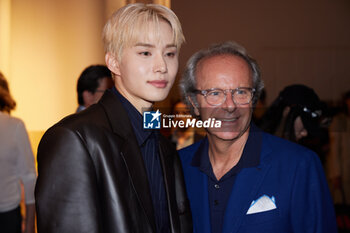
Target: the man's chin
(228, 133)
(157, 97)
(225, 136)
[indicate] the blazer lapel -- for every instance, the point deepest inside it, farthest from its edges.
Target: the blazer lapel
(197, 185)
(244, 190)
(130, 152)
(200, 204)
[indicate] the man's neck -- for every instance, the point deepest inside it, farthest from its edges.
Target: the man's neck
(140, 104)
(225, 154)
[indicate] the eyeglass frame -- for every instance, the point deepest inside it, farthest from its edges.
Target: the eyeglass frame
(232, 91)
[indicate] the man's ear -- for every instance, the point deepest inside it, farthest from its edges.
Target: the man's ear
(195, 107)
(112, 64)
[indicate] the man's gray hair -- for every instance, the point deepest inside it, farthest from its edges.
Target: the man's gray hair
(188, 81)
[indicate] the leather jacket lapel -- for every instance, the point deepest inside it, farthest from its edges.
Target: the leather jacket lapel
(130, 151)
(116, 114)
(169, 180)
(137, 171)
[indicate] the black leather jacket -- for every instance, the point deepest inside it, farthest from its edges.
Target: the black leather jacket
(92, 177)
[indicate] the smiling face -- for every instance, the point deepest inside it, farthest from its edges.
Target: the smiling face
(147, 69)
(224, 72)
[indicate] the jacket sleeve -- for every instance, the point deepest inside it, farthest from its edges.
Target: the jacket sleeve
(182, 200)
(26, 164)
(66, 190)
(312, 208)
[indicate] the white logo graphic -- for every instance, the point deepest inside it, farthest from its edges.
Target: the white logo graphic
(151, 120)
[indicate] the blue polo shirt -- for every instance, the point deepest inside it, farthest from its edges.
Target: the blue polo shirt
(148, 143)
(220, 190)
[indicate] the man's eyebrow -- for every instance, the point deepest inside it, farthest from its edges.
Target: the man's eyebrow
(171, 46)
(152, 46)
(144, 45)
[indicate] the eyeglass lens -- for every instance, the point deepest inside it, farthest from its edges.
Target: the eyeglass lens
(239, 96)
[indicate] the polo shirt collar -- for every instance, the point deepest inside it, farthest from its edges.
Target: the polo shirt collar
(250, 156)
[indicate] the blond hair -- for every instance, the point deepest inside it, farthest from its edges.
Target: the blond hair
(129, 22)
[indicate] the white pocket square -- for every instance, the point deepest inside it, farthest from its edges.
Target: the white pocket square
(262, 204)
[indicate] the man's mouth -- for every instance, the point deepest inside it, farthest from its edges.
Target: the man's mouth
(158, 83)
(228, 121)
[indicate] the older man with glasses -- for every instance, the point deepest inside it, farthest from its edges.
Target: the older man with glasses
(240, 179)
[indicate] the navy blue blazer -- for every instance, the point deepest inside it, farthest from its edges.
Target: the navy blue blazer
(291, 175)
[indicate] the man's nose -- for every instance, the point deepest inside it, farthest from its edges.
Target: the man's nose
(229, 104)
(160, 64)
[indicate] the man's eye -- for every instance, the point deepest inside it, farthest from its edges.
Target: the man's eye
(171, 54)
(146, 53)
(214, 93)
(241, 92)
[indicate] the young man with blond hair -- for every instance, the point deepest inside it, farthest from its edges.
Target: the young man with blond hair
(99, 170)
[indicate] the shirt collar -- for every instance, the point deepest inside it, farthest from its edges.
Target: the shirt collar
(135, 118)
(250, 156)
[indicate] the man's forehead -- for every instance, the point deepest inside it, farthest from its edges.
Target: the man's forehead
(223, 59)
(150, 34)
(150, 39)
(223, 65)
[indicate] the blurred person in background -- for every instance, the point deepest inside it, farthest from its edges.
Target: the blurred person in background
(184, 136)
(297, 114)
(338, 162)
(92, 83)
(17, 168)
(260, 108)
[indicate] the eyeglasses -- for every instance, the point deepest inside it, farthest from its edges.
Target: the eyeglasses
(313, 114)
(216, 96)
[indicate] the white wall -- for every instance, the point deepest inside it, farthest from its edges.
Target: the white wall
(51, 42)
